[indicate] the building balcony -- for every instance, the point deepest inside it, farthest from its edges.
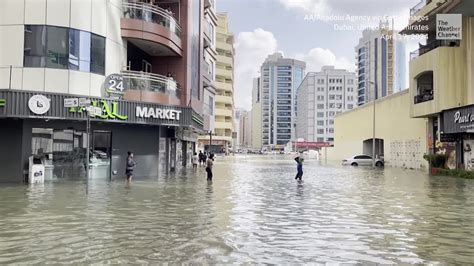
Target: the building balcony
(224, 112)
(224, 86)
(151, 28)
(433, 45)
(438, 80)
(223, 125)
(225, 46)
(224, 99)
(224, 73)
(150, 87)
(225, 60)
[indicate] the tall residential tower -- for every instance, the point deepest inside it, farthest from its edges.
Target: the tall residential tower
(280, 77)
(381, 64)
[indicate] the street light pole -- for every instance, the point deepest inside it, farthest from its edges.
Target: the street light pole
(373, 123)
(88, 132)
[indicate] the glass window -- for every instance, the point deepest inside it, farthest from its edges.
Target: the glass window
(79, 50)
(97, 54)
(320, 114)
(35, 46)
(211, 105)
(350, 106)
(320, 106)
(320, 123)
(64, 48)
(320, 131)
(320, 139)
(57, 47)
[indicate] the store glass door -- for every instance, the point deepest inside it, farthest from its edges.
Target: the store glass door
(101, 154)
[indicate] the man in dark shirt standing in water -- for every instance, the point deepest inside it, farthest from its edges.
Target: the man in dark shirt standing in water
(299, 175)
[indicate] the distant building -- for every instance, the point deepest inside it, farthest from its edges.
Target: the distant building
(321, 96)
(381, 64)
(256, 113)
(279, 79)
(245, 130)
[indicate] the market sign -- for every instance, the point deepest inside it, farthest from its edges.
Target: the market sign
(109, 110)
(459, 120)
(22, 104)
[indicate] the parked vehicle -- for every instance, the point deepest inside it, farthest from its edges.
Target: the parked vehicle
(362, 160)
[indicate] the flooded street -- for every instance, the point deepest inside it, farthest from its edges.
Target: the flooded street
(253, 212)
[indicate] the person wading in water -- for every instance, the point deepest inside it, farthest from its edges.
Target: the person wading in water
(209, 164)
(130, 166)
(299, 168)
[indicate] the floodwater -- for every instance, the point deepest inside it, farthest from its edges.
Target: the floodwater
(253, 212)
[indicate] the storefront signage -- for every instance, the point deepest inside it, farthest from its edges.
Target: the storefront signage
(39, 104)
(3, 102)
(448, 26)
(109, 110)
(458, 120)
(71, 102)
(114, 86)
(158, 113)
(20, 104)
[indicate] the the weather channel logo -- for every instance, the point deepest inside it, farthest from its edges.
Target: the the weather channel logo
(448, 26)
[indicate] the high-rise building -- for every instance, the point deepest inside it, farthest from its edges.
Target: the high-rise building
(256, 127)
(321, 96)
(245, 134)
(381, 63)
(280, 77)
(138, 63)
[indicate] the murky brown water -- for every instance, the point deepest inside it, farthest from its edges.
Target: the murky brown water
(253, 212)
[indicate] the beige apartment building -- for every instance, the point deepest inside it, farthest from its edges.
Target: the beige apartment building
(224, 100)
(436, 114)
(442, 77)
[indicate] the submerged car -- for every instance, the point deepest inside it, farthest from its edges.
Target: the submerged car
(362, 160)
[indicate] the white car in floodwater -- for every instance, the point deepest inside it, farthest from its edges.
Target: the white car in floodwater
(362, 160)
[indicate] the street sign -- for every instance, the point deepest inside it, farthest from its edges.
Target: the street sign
(71, 102)
(95, 111)
(84, 102)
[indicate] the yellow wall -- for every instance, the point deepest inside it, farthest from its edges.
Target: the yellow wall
(452, 75)
(404, 137)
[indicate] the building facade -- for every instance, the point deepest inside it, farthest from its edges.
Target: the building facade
(399, 139)
(321, 96)
(245, 136)
(138, 63)
(442, 80)
(256, 126)
(381, 63)
(280, 77)
(224, 126)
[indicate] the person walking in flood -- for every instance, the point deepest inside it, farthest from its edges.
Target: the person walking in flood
(195, 160)
(209, 164)
(130, 166)
(299, 168)
(201, 158)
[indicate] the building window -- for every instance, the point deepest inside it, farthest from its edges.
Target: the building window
(350, 106)
(320, 114)
(64, 48)
(320, 123)
(320, 131)
(320, 139)
(331, 130)
(331, 105)
(338, 97)
(211, 105)
(332, 97)
(331, 122)
(320, 106)
(320, 98)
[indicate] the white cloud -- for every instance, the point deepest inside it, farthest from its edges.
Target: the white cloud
(319, 57)
(251, 49)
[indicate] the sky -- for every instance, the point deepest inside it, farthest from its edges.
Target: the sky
(319, 32)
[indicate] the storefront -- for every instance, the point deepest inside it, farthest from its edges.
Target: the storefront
(32, 123)
(457, 137)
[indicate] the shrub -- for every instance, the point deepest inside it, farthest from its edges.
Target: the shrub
(436, 160)
(457, 173)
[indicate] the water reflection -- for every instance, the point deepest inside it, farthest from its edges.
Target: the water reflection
(253, 211)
